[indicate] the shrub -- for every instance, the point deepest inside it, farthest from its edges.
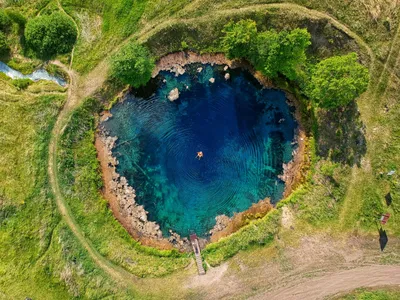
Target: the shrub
(239, 38)
(50, 35)
(4, 48)
(21, 84)
(5, 21)
(338, 80)
(133, 65)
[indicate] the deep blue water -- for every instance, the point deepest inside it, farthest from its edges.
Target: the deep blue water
(244, 131)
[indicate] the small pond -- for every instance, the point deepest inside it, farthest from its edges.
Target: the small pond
(245, 132)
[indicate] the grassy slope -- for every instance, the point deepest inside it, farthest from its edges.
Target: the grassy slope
(314, 207)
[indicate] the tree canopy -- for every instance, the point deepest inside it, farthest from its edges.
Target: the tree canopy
(338, 80)
(49, 35)
(133, 65)
(281, 52)
(238, 38)
(271, 52)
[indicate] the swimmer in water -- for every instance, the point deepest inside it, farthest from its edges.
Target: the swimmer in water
(199, 155)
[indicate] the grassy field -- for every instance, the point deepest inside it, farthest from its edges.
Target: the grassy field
(345, 190)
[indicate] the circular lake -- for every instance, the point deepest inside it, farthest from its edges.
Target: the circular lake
(244, 131)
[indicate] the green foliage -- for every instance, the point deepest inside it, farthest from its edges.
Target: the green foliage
(4, 48)
(238, 38)
(21, 84)
(260, 232)
(51, 35)
(364, 294)
(5, 21)
(132, 65)
(371, 207)
(271, 52)
(17, 18)
(281, 52)
(338, 80)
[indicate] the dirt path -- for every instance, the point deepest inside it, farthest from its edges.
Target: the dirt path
(392, 58)
(342, 281)
(81, 87)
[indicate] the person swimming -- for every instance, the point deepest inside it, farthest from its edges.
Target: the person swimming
(199, 155)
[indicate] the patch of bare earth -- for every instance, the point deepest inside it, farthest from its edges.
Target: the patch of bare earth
(317, 267)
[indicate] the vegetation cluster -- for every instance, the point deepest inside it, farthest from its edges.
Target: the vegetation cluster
(333, 82)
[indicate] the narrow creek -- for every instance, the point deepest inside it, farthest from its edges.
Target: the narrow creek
(37, 75)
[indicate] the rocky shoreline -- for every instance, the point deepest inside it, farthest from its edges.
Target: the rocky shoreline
(122, 197)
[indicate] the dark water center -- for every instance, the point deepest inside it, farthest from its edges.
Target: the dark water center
(245, 133)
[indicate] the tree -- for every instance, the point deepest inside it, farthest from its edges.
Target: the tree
(283, 52)
(133, 65)
(51, 35)
(5, 21)
(338, 80)
(238, 38)
(4, 48)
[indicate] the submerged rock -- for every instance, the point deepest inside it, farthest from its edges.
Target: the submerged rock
(173, 95)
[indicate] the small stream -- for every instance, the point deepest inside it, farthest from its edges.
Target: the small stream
(37, 75)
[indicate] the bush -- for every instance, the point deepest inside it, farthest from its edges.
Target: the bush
(239, 38)
(4, 48)
(5, 21)
(50, 35)
(338, 80)
(133, 65)
(21, 84)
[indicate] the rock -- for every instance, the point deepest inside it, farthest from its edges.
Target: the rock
(199, 69)
(212, 80)
(227, 76)
(173, 95)
(222, 221)
(226, 68)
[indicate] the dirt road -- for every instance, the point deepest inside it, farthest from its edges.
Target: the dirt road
(319, 288)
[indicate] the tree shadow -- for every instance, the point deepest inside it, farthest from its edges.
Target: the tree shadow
(341, 135)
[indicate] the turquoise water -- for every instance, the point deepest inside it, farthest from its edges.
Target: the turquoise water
(245, 133)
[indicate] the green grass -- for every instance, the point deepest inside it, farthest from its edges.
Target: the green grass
(371, 294)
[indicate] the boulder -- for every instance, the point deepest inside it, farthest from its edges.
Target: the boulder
(173, 95)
